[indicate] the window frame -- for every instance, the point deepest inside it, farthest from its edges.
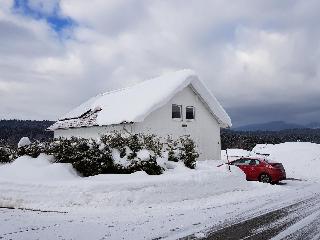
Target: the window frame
(194, 113)
(181, 114)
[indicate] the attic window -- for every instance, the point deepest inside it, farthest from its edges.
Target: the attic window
(176, 111)
(190, 113)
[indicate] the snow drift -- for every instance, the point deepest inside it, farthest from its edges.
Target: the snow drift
(300, 159)
(39, 169)
(55, 186)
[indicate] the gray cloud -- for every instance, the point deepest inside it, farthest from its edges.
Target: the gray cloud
(295, 112)
(260, 58)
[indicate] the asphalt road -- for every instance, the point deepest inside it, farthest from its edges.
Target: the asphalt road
(300, 220)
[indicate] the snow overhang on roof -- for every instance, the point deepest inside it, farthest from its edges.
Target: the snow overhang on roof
(134, 104)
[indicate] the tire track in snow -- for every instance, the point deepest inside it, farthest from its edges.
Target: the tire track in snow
(272, 223)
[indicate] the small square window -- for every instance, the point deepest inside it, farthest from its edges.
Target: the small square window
(176, 111)
(190, 112)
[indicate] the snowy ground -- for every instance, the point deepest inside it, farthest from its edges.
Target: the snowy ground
(137, 206)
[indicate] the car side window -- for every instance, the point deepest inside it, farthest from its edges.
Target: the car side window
(247, 161)
(254, 162)
(239, 162)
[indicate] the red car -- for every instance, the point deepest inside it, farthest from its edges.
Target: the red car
(262, 170)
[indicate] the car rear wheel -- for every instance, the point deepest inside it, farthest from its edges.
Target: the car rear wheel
(265, 178)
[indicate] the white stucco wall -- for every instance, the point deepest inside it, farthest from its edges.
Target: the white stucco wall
(204, 129)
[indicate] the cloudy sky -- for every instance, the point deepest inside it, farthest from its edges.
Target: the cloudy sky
(261, 59)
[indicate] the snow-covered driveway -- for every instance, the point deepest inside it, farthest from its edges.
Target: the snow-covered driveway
(168, 221)
(299, 220)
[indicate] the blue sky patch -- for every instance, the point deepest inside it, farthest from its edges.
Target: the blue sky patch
(54, 19)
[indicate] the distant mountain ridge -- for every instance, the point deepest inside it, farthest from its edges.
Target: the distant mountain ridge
(276, 126)
(313, 125)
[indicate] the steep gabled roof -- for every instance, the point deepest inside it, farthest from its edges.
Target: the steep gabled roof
(134, 104)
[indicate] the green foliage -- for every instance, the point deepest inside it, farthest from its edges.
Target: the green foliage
(153, 143)
(7, 154)
(134, 142)
(117, 141)
(63, 150)
(130, 145)
(172, 147)
(32, 150)
(90, 157)
(86, 156)
(188, 153)
(4, 155)
(150, 167)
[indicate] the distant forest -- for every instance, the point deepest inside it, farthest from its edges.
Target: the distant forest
(11, 131)
(247, 140)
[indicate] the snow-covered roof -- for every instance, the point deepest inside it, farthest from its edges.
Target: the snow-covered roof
(135, 103)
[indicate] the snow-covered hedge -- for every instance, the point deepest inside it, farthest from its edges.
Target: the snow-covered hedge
(86, 156)
(115, 153)
(188, 153)
(7, 154)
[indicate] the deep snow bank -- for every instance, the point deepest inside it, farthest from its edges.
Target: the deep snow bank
(39, 169)
(52, 186)
(300, 159)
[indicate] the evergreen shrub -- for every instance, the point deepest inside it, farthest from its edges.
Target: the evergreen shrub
(188, 153)
(91, 157)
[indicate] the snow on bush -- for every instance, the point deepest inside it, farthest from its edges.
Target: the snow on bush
(7, 155)
(33, 149)
(113, 153)
(172, 149)
(188, 153)
(123, 161)
(25, 141)
(86, 156)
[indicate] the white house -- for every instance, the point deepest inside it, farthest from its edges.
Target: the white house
(174, 104)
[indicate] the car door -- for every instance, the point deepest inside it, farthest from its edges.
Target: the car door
(245, 167)
(253, 169)
(256, 168)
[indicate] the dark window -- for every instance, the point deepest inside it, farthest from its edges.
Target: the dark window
(176, 111)
(189, 112)
(254, 162)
